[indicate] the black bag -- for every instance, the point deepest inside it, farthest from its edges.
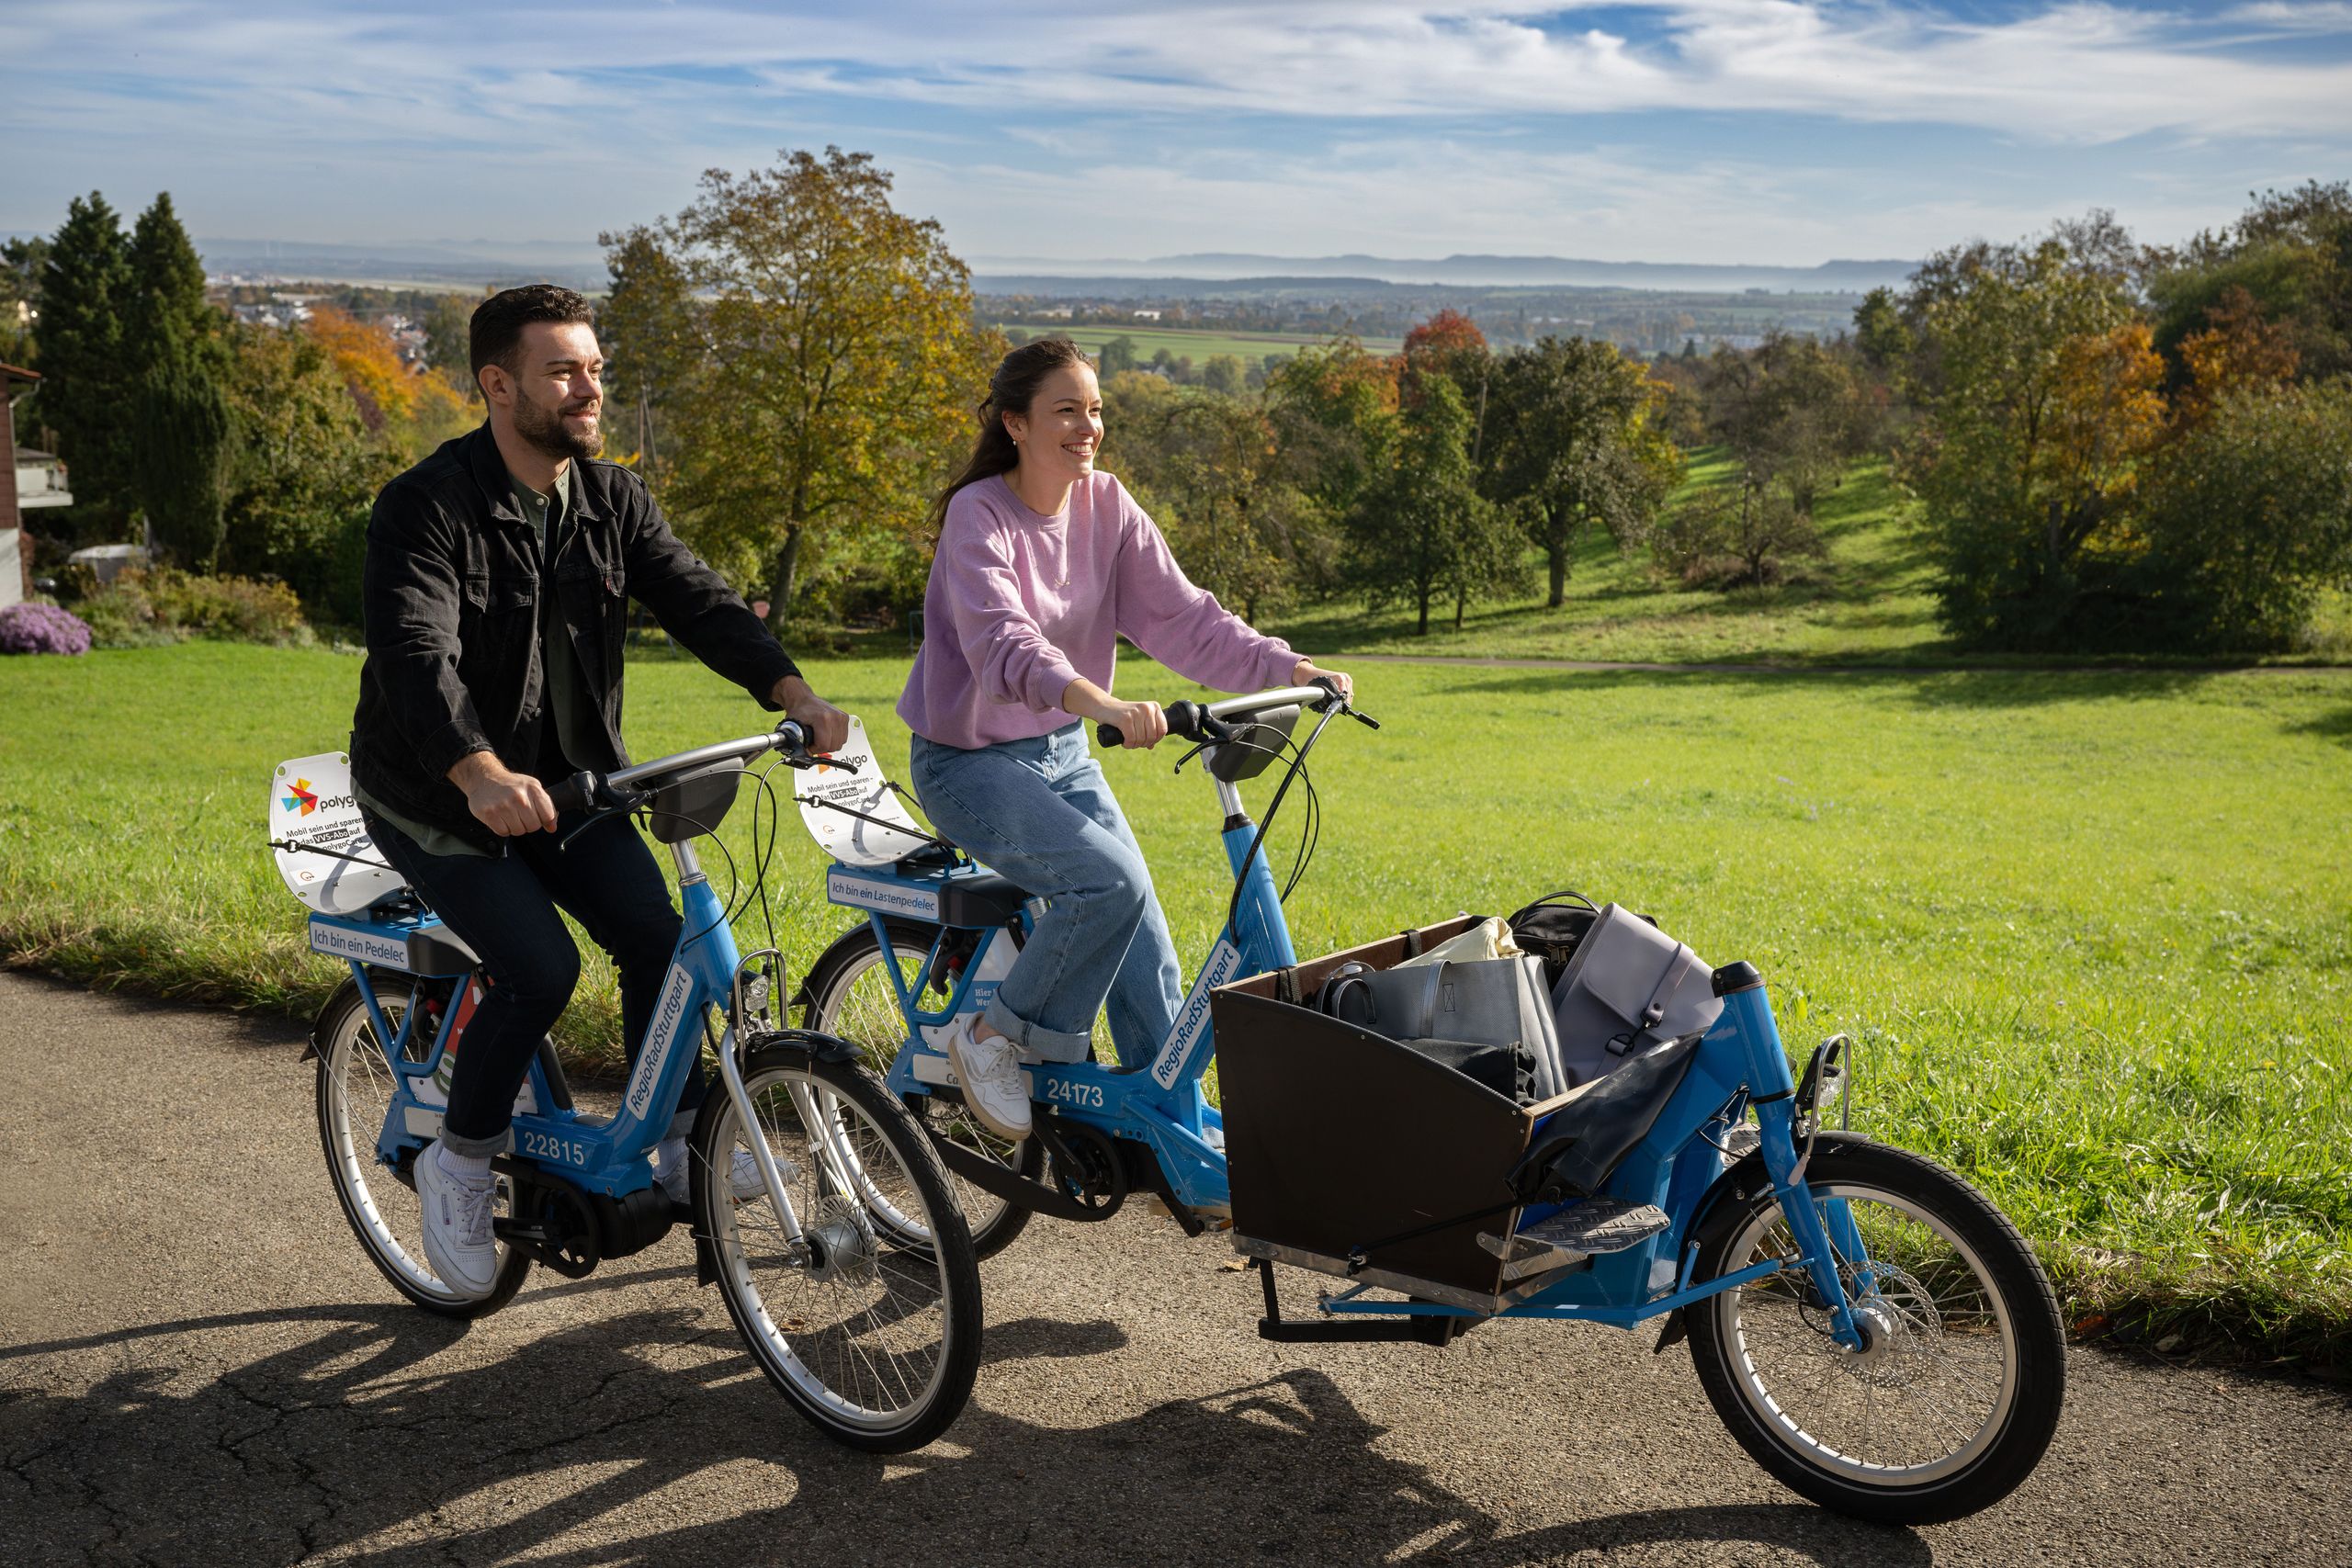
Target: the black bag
(1512, 1071)
(1508, 1070)
(1552, 931)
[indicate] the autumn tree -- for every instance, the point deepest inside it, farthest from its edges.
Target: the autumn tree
(1205, 467)
(2248, 517)
(303, 470)
(815, 357)
(2050, 405)
(1420, 531)
(364, 356)
(2290, 254)
(1572, 441)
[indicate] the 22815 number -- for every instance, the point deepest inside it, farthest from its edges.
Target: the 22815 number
(542, 1146)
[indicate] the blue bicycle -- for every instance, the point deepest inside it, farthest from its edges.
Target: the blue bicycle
(1869, 1327)
(850, 1277)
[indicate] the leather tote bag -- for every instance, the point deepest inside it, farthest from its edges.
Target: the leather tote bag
(1482, 1001)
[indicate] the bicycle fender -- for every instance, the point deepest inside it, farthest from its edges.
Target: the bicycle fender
(808, 1041)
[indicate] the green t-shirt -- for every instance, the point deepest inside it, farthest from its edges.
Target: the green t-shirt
(564, 692)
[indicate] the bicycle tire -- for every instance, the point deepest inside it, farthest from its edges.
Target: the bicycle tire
(876, 1342)
(354, 1096)
(833, 1006)
(1909, 1212)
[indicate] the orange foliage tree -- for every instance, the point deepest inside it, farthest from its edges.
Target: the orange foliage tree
(2239, 350)
(371, 367)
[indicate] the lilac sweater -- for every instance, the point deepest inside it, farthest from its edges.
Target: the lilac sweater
(1021, 604)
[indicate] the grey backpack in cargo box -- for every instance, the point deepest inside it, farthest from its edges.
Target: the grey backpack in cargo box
(1628, 986)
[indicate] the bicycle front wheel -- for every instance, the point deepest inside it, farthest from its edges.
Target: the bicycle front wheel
(354, 1096)
(850, 997)
(870, 1325)
(1952, 1399)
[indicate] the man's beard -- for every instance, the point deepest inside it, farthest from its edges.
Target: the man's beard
(544, 429)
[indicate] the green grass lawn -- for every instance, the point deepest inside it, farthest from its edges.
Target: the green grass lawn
(2091, 927)
(1868, 602)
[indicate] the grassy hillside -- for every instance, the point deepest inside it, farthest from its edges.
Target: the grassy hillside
(1868, 602)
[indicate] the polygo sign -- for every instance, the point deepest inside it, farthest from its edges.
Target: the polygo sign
(311, 808)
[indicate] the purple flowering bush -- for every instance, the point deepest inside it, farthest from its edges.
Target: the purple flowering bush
(42, 629)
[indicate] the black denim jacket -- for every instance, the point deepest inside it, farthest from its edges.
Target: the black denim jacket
(450, 599)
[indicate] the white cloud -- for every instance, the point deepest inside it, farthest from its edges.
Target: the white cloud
(2320, 17)
(1373, 124)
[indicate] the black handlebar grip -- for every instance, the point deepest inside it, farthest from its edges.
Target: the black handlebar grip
(1183, 718)
(575, 792)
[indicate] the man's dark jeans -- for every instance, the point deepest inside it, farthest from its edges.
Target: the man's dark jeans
(504, 907)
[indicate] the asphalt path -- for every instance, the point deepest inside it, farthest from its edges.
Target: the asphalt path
(197, 1366)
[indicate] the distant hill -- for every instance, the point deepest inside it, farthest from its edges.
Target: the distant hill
(1494, 272)
(469, 263)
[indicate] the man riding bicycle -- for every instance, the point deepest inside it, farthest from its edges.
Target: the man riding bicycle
(495, 594)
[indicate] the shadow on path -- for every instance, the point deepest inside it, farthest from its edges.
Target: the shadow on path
(650, 1439)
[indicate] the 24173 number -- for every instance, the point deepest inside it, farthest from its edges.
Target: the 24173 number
(1087, 1096)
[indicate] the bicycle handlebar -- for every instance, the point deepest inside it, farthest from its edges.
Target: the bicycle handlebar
(1204, 722)
(585, 790)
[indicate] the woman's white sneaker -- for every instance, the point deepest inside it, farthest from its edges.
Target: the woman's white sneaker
(459, 1244)
(989, 1071)
(743, 1183)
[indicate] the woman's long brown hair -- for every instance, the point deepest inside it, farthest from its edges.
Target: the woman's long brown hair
(1011, 389)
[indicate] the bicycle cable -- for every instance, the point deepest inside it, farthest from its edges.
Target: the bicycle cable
(1298, 770)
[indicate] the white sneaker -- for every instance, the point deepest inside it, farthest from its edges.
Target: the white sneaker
(989, 1071)
(458, 1241)
(743, 1183)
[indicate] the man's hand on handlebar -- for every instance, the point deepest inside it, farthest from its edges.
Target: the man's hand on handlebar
(828, 726)
(1307, 672)
(506, 801)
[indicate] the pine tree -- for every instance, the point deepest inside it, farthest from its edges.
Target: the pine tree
(182, 423)
(85, 380)
(166, 287)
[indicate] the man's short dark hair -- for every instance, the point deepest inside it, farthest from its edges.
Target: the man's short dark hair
(496, 331)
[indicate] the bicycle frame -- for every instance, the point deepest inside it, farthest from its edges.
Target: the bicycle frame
(611, 1157)
(1679, 1166)
(1158, 1104)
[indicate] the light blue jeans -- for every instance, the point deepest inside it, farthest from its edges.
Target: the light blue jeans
(1040, 813)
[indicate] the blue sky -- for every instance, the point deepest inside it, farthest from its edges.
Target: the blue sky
(1782, 131)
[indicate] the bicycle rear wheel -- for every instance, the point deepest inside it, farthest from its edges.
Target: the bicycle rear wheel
(355, 1095)
(871, 1325)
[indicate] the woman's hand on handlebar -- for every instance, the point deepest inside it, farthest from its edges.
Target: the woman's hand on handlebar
(1306, 673)
(828, 726)
(507, 803)
(1141, 725)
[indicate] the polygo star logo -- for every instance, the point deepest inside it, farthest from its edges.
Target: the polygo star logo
(301, 801)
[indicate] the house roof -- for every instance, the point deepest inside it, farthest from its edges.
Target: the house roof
(11, 373)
